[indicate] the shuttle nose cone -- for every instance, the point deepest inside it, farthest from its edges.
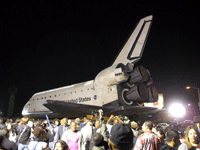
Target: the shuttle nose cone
(25, 110)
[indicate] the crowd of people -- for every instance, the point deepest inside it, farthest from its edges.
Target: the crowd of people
(114, 134)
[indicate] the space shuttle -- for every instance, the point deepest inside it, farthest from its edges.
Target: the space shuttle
(122, 88)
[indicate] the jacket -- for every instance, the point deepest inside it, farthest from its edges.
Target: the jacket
(24, 135)
(166, 147)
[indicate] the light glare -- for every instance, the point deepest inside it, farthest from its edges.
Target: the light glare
(177, 110)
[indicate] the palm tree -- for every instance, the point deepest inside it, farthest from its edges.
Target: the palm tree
(12, 91)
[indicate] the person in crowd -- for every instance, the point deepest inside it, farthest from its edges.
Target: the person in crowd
(24, 134)
(126, 120)
(39, 140)
(171, 127)
(78, 122)
(60, 145)
(121, 137)
(50, 135)
(192, 139)
(56, 126)
(137, 134)
(84, 122)
(31, 125)
(172, 141)
(16, 126)
(73, 138)
(154, 129)
(116, 120)
(134, 127)
(161, 134)
(198, 126)
(2, 134)
(140, 124)
(98, 141)
(8, 121)
(62, 128)
(12, 133)
(182, 137)
(87, 133)
(2, 125)
(97, 126)
(5, 142)
(100, 127)
(148, 140)
(37, 123)
(136, 137)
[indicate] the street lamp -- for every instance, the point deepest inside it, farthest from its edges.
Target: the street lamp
(191, 87)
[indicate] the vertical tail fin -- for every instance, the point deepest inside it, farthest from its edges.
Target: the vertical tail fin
(133, 49)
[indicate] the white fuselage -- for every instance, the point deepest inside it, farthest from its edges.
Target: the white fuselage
(82, 93)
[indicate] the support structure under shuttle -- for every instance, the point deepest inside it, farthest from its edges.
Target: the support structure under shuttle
(120, 88)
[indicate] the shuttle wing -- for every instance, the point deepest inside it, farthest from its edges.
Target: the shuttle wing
(71, 110)
(133, 49)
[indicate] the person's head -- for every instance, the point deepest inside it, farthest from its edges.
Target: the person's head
(73, 126)
(198, 125)
(78, 121)
(169, 128)
(39, 133)
(98, 139)
(139, 123)
(60, 145)
(64, 122)
(7, 133)
(8, 120)
(134, 124)
(2, 136)
(30, 123)
(24, 120)
(182, 135)
(1, 119)
(45, 122)
(121, 137)
(9, 126)
(172, 138)
(89, 123)
(37, 123)
(116, 121)
(160, 133)
(192, 136)
(17, 120)
(97, 124)
(147, 126)
(56, 122)
(86, 120)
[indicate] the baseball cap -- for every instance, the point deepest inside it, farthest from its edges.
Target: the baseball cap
(121, 134)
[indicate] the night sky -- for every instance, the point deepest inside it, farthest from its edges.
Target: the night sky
(46, 45)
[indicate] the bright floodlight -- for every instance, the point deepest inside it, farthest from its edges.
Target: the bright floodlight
(188, 87)
(177, 110)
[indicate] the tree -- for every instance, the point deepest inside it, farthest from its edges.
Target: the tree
(12, 91)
